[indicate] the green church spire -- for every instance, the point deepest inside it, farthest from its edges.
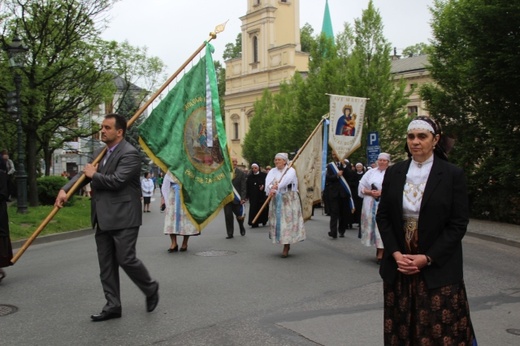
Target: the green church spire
(327, 22)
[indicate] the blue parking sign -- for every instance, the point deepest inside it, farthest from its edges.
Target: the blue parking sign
(373, 147)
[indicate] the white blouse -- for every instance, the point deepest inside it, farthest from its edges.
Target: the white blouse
(416, 179)
(289, 179)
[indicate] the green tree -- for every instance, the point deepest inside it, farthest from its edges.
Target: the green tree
(69, 72)
(233, 50)
(416, 50)
(306, 38)
(138, 72)
(368, 75)
(476, 96)
(61, 79)
(220, 71)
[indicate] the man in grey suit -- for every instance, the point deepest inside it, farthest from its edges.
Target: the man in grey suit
(116, 216)
(234, 207)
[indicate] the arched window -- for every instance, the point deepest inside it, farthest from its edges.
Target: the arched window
(235, 131)
(235, 121)
(255, 49)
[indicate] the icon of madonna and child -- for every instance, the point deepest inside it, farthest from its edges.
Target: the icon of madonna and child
(346, 125)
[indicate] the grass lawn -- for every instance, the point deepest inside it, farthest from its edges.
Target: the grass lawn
(69, 218)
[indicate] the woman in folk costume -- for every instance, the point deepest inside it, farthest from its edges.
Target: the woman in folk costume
(285, 212)
(423, 216)
(175, 221)
(369, 189)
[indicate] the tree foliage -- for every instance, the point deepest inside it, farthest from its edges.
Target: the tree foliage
(233, 50)
(357, 65)
(368, 75)
(69, 72)
(474, 62)
(306, 38)
(416, 50)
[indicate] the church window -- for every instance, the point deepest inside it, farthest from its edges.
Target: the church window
(255, 49)
(235, 119)
(235, 131)
(413, 110)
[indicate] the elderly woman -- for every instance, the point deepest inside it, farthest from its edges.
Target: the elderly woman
(422, 217)
(369, 189)
(285, 213)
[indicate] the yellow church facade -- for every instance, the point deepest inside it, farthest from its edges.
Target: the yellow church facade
(271, 53)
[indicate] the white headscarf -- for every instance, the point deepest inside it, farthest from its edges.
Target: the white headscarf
(282, 156)
(384, 156)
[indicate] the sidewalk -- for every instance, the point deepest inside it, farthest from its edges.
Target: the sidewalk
(504, 233)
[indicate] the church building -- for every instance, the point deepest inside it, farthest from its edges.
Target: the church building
(271, 53)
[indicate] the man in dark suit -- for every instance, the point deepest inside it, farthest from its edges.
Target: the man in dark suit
(116, 216)
(338, 197)
(235, 206)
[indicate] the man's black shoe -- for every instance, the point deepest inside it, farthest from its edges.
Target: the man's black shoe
(105, 315)
(242, 231)
(342, 235)
(333, 236)
(153, 300)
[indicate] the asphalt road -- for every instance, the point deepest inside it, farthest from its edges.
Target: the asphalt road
(237, 292)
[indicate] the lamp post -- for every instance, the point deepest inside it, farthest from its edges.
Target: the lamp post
(15, 52)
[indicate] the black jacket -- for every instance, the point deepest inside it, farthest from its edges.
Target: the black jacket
(443, 220)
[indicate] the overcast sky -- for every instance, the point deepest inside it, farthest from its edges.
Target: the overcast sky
(173, 29)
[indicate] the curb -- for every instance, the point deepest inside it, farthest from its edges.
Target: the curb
(53, 237)
(494, 239)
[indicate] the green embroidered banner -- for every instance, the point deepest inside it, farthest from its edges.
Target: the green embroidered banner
(185, 135)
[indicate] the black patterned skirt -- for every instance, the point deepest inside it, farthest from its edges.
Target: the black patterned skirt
(416, 315)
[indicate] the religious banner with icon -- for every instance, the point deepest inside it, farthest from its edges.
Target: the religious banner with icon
(346, 116)
(185, 135)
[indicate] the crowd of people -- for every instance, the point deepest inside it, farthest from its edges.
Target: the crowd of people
(415, 213)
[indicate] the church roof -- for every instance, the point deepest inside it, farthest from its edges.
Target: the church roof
(414, 63)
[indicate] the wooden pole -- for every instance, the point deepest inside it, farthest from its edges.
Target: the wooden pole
(81, 179)
(290, 165)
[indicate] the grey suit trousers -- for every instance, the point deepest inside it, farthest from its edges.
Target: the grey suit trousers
(117, 248)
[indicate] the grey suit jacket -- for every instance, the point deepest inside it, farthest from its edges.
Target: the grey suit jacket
(240, 183)
(116, 189)
(443, 220)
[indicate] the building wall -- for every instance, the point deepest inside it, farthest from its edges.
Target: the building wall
(275, 25)
(414, 71)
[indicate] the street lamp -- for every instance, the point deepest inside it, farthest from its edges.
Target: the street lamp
(16, 51)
